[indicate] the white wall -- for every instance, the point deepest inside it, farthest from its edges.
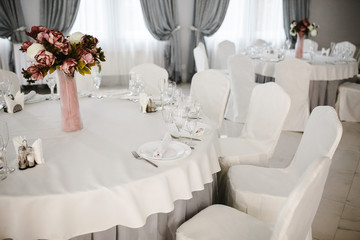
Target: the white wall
(338, 21)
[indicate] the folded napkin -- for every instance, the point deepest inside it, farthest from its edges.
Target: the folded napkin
(16, 104)
(143, 100)
(161, 149)
(325, 52)
(29, 96)
(28, 155)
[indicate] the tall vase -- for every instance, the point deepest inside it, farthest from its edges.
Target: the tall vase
(299, 46)
(70, 112)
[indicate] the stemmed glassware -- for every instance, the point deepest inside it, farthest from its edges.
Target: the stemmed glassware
(5, 86)
(96, 81)
(4, 140)
(51, 82)
(190, 126)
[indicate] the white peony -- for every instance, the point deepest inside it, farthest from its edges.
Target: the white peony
(34, 49)
(75, 37)
(313, 33)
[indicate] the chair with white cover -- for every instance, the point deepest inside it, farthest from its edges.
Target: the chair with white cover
(151, 74)
(201, 59)
(224, 50)
(348, 102)
(308, 44)
(344, 48)
(242, 77)
(211, 89)
(13, 78)
(268, 108)
(261, 192)
(294, 221)
(294, 76)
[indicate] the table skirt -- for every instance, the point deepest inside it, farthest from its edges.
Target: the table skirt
(161, 226)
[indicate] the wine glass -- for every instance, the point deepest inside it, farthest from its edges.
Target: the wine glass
(288, 44)
(50, 81)
(190, 126)
(4, 140)
(4, 91)
(167, 114)
(179, 118)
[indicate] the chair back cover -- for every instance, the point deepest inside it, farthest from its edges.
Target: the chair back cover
(242, 75)
(321, 138)
(268, 108)
(151, 74)
(224, 50)
(295, 219)
(14, 80)
(294, 76)
(341, 47)
(201, 59)
(348, 102)
(310, 43)
(211, 89)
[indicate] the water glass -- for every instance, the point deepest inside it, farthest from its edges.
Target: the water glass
(5, 86)
(190, 126)
(51, 82)
(4, 140)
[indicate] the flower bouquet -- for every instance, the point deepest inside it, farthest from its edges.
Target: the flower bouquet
(301, 29)
(53, 51)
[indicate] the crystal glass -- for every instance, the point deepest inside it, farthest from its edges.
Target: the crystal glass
(4, 140)
(96, 81)
(179, 118)
(51, 82)
(167, 115)
(190, 126)
(288, 44)
(5, 86)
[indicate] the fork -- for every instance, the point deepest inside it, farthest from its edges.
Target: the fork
(137, 156)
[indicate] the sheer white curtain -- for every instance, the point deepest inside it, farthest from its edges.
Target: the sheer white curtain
(5, 46)
(248, 20)
(122, 34)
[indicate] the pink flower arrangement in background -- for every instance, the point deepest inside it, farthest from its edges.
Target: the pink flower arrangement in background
(52, 50)
(303, 28)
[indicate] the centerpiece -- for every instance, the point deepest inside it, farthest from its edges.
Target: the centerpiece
(53, 51)
(301, 29)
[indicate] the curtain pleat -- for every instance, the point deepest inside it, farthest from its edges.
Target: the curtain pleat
(160, 18)
(59, 15)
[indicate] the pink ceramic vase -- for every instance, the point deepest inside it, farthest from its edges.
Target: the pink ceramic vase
(299, 46)
(70, 112)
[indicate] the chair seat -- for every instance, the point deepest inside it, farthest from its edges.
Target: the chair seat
(258, 191)
(222, 222)
(349, 102)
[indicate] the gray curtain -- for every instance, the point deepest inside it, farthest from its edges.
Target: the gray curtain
(160, 18)
(59, 15)
(208, 17)
(294, 10)
(12, 25)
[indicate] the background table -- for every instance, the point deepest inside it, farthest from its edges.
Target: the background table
(327, 73)
(91, 182)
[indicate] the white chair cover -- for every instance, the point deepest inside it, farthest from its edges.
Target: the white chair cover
(211, 89)
(348, 103)
(151, 74)
(308, 43)
(294, 76)
(242, 75)
(14, 79)
(261, 192)
(201, 59)
(269, 105)
(294, 221)
(224, 50)
(341, 46)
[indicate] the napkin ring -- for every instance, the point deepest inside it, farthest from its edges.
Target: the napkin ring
(25, 156)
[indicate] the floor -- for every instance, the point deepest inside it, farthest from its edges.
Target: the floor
(338, 216)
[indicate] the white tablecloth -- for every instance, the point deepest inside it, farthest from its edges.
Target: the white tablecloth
(90, 181)
(323, 68)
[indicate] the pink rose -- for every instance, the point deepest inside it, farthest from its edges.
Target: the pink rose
(45, 58)
(69, 66)
(42, 37)
(25, 46)
(35, 30)
(59, 41)
(35, 72)
(87, 57)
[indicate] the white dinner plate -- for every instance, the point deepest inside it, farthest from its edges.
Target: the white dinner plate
(201, 130)
(174, 151)
(37, 98)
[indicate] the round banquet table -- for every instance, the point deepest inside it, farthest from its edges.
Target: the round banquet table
(90, 181)
(327, 73)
